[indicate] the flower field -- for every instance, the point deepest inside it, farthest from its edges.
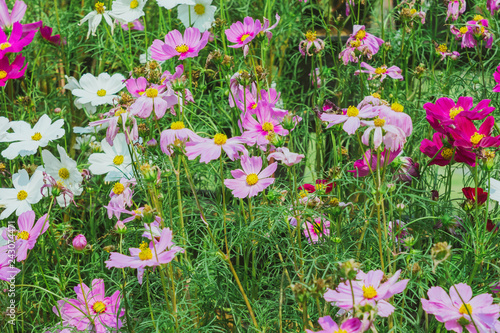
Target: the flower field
(249, 166)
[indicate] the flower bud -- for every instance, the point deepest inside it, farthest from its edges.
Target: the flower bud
(79, 242)
(120, 227)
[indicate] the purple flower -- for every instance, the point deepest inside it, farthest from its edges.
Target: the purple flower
(382, 71)
(251, 180)
(493, 6)
(316, 229)
(267, 29)
(455, 8)
(496, 77)
(177, 45)
(46, 33)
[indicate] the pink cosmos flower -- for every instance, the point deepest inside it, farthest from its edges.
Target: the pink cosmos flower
(473, 32)
(382, 71)
(360, 42)
(251, 180)
(369, 161)
(176, 135)
(442, 50)
(348, 5)
(7, 19)
(284, 155)
(243, 33)
(7, 272)
(496, 77)
(455, 8)
(267, 29)
(46, 33)
(311, 40)
(177, 45)
(467, 136)
(352, 325)
(259, 130)
(28, 232)
(255, 100)
(210, 149)
(79, 242)
(15, 42)
(123, 190)
(316, 230)
(155, 254)
(351, 117)
(394, 115)
(316, 78)
(446, 153)
(323, 185)
(155, 97)
(493, 6)
(105, 312)
(117, 116)
(368, 289)
(394, 137)
(135, 25)
(459, 308)
(237, 88)
(11, 71)
(152, 230)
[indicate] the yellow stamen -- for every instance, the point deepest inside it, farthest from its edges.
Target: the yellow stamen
(478, 18)
(245, 36)
(379, 122)
(118, 159)
(199, 9)
(442, 48)
(463, 30)
(311, 35)
(455, 111)
(36, 137)
(101, 92)
(118, 188)
(376, 95)
(3, 74)
(356, 43)
(476, 138)
(447, 153)
(23, 235)
(252, 179)
(320, 187)
(360, 34)
(380, 70)
(146, 253)
(5, 45)
(134, 4)
(369, 292)
(318, 228)
(396, 107)
(99, 7)
(64, 173)
(334, 202)
(254, 106)
(119, 112)
(465, 309)
(413, 11)
(177, 125)
(151, 92)
(21, 195)
(267, 127)
(352, 111)
(183, 48)
(99, 307)
(220, 139)
(303, 193)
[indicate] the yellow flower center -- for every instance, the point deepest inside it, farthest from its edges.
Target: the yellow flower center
(447, 153)
(478, 18)
(320, 187)
(146, 253)
(376, 95)
(99, 7)
(267, 127)
(334, 202)
(119, 112)
(5, 45)
(397, 107)
(177, 125)
(183, 48)
(254, 106)
(303, 193)
(151, 92)
(455, 111)
(380, 70)
(352, 111)
(21, 195)
(318, 228)
(134, 4)
(360, 34)
(138, 214)
(64, 173)
(379, 122)
(463, 30)
(252, 179)
(199, 9)
(3, 74)
(36, 137)
(220, 139)
(311, 35)
(341, 331)
(99, 307)
(118, 159)
(442, 48)
(476, 138)
(245, 36)
(101, 92)
(465, 309)
(369, 292)
(23, 235)
(413, 11)
(118, 188)
(355, 43)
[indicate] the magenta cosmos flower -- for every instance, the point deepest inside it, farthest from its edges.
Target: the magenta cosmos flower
(496, 77)
(467, 136)
(46, 33)
(243, 33)
(393, 139)
(210, 149)
(473, 32)
(443, 155)
(266, 27)
(327, 324)
(155, 97)
(7, 19)
(459, 308)
(11, 71)
(251, 180)
(493, 6)
(363, 166)
(28, 232)
(176, 135)
(154, 254)
(177, 45)
(316, 229)
(455, 8)
(350, 117)
(381, 72)
(311, 40)
(259, 130)
(91, 310)
(368, 289)
(14, 43)
(284, 155)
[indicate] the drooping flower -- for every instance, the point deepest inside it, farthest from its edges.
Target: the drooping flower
(155, 97)
(317, 229)
(251, 180)
(368, 163)
(117, 116)
(311, 40)
(267, 29)
(360, 43)
(134, 25)
(175, 44)
(467, 136)
(243, 33)
(394, 137)
(321, 185)
(46, 33)
(352, 325)
(442, 155)
(455, 8)
(442, 50)
(473, 32)
(91, 311)
(367, 289)
(10, 71)
(210, 149)
(115, 161)
(261, 129)
(459, 308)
(127, 10)
(351, 117)
(200, 15)
(382, 71)
(155, 254)
(284, 155)
(14, 42)
(26, 140)
(176, 135)
(470, 194)
(493, 6)
(95, 18)
(98, 90)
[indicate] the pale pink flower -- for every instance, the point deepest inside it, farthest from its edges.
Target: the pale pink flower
(267, 29)
(175, 135)
(394, 137)
(155, 97)
(381, 72)
(311, 40)
(351, 118)
(251, 180)
(177, 45)
(243, 33)
(284, 155)
(210, 149)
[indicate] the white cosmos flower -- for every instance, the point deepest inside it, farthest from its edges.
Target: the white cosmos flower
(26, 140)
(99, 90)
(4, 126)
(202, 14)
(169, 4)
(26, 192)
(74, 84)
(84, 140)
(128, 10)
(95, 18)
(115, 161)
(64, 170)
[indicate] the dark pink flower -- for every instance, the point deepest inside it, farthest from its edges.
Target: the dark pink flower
(15, 42)
(11, 71)
(496, 77)
(28, 232)
(46, 33)
(442, 155)
(369, 160)
(79, 242)
(467, 136)
(455, 8)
